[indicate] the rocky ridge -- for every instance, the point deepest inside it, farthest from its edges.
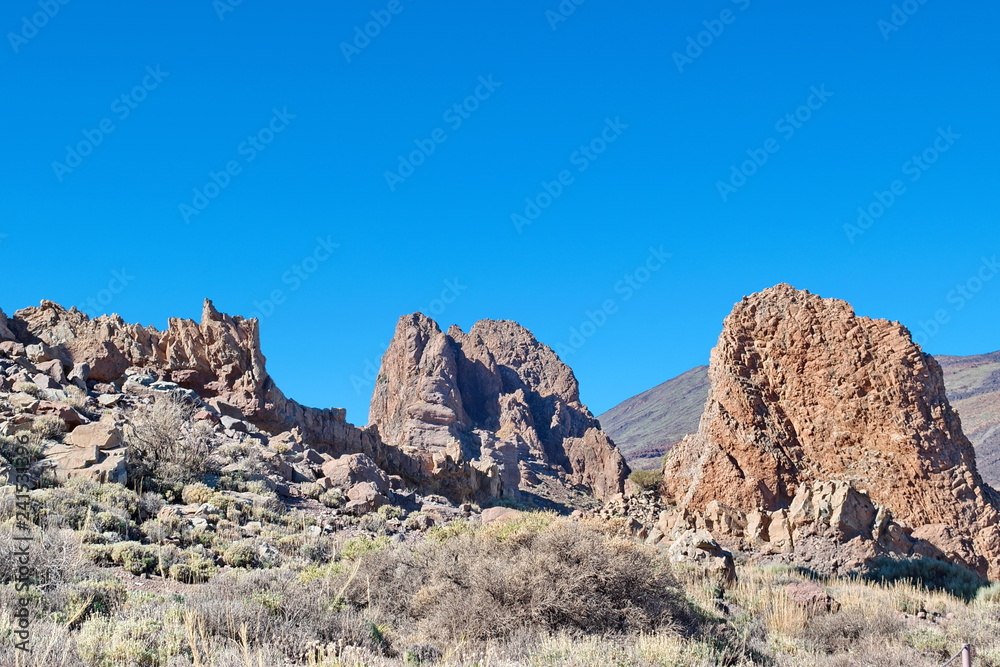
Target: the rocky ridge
(218, 366)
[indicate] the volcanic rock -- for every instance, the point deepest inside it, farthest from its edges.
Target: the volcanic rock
(803, 391)
(472, 408)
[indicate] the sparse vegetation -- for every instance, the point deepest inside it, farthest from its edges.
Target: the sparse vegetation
(49, 427)
(165, 443)
(647, 480)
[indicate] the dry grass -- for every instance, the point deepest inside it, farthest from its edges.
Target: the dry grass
(543, 592)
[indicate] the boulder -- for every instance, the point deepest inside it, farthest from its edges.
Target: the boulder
(347, 471)
(12, 349)
(54, 369)
(812, 597)
(698, 547)
(233, 424)
(498, 514)
(69, 415)
(79, 375)
(45, 381)
(363, 498)
(108, 400)
(278, 464)
(5, 333)
(100, 435)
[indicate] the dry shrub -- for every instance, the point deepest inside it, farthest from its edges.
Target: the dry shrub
(540, 575)
(272, 608)
(163, 441)
(49, 427)
(841, 632)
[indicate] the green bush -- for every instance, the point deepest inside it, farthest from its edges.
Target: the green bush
(240, 554)
(312, 490)
(332, 498)
(29, 388)
(931, 574)
(989, 594)
(133, 556)
(196, 494)
(647, 480)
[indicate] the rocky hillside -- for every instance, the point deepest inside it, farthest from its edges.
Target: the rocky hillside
(492, 409)
(807, 401)
(488, 414)
(646, 426)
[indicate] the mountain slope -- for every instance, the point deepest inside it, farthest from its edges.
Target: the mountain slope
(646, 426)
(974, 389)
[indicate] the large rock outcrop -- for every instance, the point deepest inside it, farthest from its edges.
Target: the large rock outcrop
(220, 357)
(489, 410)
(804, 391)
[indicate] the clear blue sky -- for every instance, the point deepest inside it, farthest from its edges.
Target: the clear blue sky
(338, 117)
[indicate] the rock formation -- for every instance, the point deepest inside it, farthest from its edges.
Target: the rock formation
(220, 357)
(802, 392)
(463, 415)
(491, 409)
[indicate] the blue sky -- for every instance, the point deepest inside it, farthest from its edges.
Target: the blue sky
(482, 160)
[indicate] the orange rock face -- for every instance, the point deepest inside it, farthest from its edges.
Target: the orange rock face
(803, 390)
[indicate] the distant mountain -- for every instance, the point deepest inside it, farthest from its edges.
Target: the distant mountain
(646, 426)
(973, 385)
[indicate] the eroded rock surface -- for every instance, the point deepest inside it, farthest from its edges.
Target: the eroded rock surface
(804, 391)
(492, 410)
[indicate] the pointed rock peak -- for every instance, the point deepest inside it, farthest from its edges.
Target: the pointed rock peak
(494, 396)
(209, 313)
(419, 321)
